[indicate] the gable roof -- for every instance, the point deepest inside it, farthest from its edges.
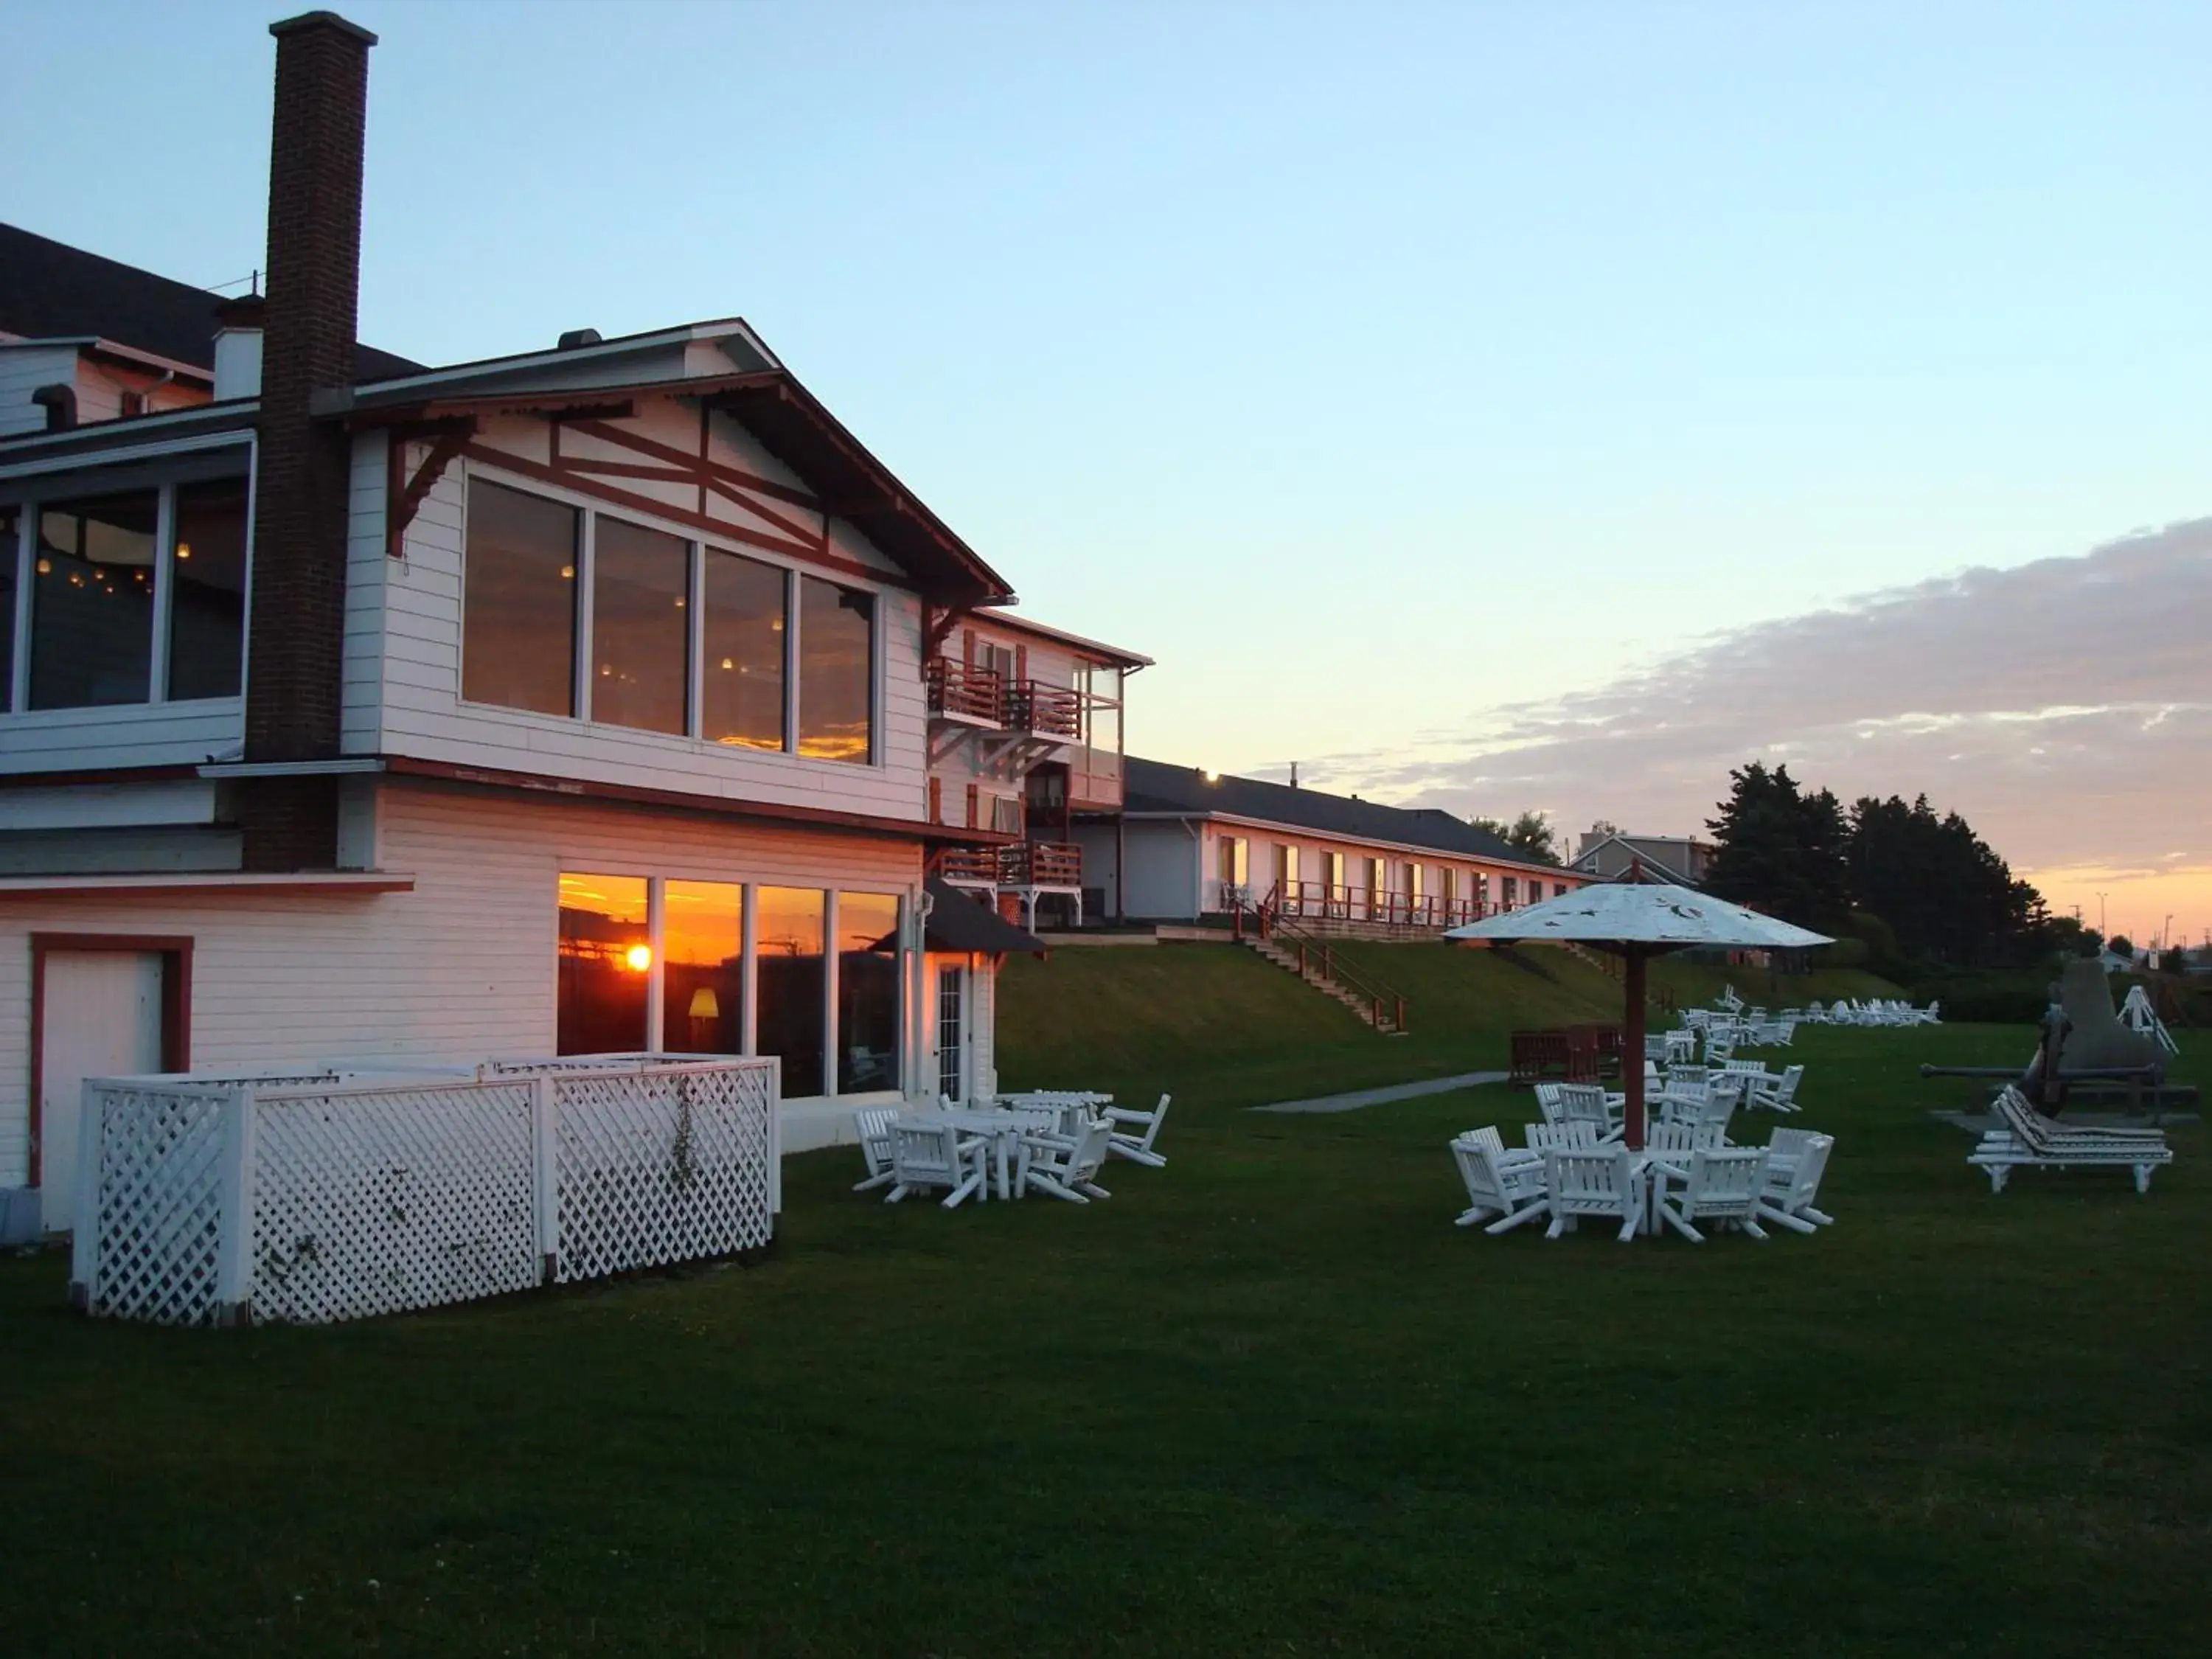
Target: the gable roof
(50, 290)
(1636, 855)
(1155, 787)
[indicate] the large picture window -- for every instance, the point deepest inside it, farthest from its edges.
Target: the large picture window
(519, 606)
(745, 633)
(92, 601)
(793, 988)
(640, 636)
(836, 672)
(207, 592)
(702, 948)
(867, 992)
(605, 965)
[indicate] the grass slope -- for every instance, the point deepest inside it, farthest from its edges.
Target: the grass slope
(1265, 1401)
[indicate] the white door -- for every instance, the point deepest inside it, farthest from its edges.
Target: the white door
(952, 1033)
(102, 1017)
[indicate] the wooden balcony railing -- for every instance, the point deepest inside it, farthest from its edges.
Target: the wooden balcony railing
(976, 694)
(1318, 900)
(1050, 711)
(1032, 864)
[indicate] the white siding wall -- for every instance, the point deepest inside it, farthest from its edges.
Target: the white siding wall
(23, 370)
(459, 970)
(403, 650)
(1163, 876)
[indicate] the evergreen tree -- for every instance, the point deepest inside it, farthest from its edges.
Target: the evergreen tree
(1530, 835)
(1780, 851)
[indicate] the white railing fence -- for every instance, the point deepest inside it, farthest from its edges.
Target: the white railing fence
(317, 1196)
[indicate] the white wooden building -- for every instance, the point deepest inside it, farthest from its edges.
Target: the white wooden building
(350, 708)
(1190, 844)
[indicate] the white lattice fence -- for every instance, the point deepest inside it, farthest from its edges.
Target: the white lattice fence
(149, 1245)
(369, 1201)
(660, 1165)
(321, 1196)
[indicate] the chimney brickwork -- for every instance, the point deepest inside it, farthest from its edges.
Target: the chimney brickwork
(297, 632)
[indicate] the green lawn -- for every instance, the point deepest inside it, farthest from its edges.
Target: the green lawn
(1266, 1401)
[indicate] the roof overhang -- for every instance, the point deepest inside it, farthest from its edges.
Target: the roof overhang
(1130, 660)
(1300, 831)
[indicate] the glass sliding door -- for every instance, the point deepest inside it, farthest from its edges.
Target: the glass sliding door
(606, 973)
(952, 1033)
(791, 984)
(867, 993)
(702, 999)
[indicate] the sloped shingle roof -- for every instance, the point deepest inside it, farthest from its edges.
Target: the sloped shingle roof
(1155, 786)
(50, 290)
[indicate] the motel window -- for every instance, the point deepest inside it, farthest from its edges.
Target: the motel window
(1414, 885)
(1332, 870)
(746, 602)
(1236, 860)
(640, 636)
(867, 992)
(793, 993)
(207, 592)
(518, 615)
(1511, 888)
(1287, 869)
(1450, 886)
(703, 954)
(1102, 705)
(1482, 888)
(92, 601)
(11, 523)
(605, 965)
(836, 672)
(1378, 876)
(1559, 890)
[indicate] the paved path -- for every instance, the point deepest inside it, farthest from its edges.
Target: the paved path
(1360, 1097)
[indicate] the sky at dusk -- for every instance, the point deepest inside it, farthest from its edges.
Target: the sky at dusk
(1501, 406)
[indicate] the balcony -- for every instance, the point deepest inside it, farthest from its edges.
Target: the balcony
(1033, 867)
(973, 696)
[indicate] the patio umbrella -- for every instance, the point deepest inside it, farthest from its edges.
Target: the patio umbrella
(1639, 919)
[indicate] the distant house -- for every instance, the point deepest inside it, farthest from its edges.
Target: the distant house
(1608, 855)
(1190, 844)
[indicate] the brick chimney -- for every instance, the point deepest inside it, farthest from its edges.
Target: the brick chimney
(296, 642)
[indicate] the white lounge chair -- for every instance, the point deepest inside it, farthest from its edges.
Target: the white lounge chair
(2029, 1140)
(1721, 1186)
(927, 1155)
(875, 1128)
(1794, 1168)
(1587, 1103)
(1137, 1147)
(1067, 1166)
(1503, 1188)
(1604, 1184)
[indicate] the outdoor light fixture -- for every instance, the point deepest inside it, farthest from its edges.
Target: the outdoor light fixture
(639, 957)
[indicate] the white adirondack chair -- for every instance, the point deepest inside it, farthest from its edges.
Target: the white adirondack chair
(1672, 1141)
(1563, 1137)
(1067, 1166)
(927, 1155)
(1776, 1094)
(1137, 1146)
(1506, 1186)
(1722, 1187)
(1794, 1181)
(874, 1127)
(1586, 1103)
(1603, 1183)
(1548, 1102)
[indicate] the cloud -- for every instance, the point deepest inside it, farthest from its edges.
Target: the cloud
(2064, 706)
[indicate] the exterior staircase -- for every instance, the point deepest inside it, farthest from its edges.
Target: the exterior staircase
(1315, 962)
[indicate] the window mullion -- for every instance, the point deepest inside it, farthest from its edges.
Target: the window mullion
(165, 559)
(830, 1050)
(656, 983)
(586, 581)
(695, 682)
(790, 660)
(749, 1012)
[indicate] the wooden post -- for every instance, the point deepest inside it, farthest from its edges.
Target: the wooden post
(545, 1200)
(1632, 1042)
